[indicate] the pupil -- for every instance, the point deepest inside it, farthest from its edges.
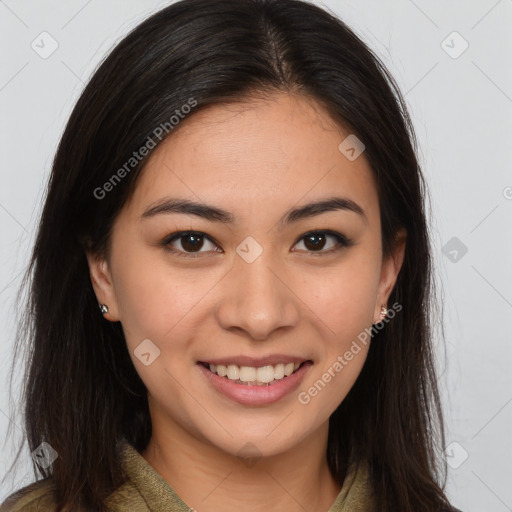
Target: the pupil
(196, 243)
(315, 245)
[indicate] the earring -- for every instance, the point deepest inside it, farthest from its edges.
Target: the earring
(383, 312)
(103, 309)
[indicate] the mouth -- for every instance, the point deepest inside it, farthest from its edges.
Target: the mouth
(268, 381)
(265, 375)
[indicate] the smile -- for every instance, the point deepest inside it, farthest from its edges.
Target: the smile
(255, 385)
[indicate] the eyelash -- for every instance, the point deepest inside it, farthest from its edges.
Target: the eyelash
(343, 242)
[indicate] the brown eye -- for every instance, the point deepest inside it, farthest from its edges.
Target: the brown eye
(316, 241)
(190, 242)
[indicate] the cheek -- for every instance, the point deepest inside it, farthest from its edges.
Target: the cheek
(157, 301)
(343, 305)
(343, 298)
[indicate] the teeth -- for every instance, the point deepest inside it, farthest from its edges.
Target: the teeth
(233, 372)
(247, 374)
(288, 369)
(279, 371)
(264, 374)
(253, 375)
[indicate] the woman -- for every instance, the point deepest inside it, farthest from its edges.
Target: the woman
(237, 189)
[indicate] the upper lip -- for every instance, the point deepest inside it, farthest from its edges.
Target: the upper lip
(256, 361)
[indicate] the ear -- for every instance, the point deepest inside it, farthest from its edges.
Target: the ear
(390, 269)
(103, 286)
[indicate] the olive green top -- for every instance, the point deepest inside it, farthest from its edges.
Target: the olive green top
(146, 491)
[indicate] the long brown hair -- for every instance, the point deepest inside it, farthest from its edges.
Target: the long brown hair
(82, 393)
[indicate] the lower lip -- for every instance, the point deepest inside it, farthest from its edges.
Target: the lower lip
(256, 395)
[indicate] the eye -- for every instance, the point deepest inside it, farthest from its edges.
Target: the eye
(315, 241)
(189, 240)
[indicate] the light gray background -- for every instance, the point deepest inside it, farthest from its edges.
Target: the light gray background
(462, 111)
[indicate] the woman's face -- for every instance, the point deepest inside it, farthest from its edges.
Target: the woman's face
(252, 282)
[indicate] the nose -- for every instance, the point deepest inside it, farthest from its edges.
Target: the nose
(258, 299)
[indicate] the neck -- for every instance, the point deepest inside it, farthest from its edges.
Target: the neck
(208, 479)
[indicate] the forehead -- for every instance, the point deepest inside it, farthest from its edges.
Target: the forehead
(273, 153)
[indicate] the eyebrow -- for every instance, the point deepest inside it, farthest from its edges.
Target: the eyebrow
(215, 214)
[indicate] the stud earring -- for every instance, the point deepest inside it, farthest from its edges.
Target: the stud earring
(103, 309)
(383, 312)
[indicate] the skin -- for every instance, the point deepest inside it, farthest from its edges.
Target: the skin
(280, 152)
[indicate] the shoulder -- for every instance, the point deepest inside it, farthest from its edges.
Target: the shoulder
(36, 497)
(40, 497)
